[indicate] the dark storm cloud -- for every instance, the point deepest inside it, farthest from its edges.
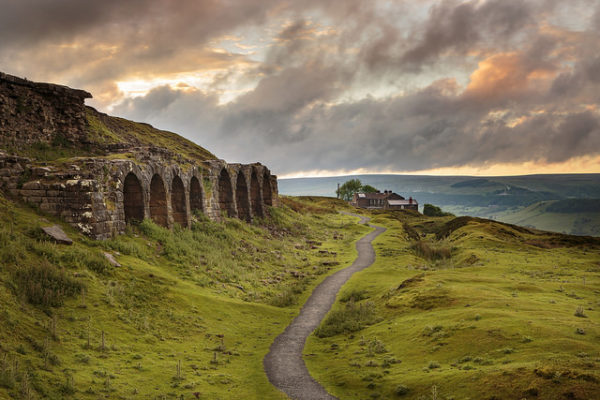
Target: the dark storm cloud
(531, 93)
(457, 26)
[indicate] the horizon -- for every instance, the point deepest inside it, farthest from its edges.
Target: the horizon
(433, 175)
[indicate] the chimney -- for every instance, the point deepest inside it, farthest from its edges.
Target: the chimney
(410, 201)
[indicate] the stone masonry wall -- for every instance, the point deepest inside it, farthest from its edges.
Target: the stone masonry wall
(33, 113)
(91, 195)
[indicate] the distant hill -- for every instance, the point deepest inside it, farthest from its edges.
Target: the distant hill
(574, 216)
(506, 198)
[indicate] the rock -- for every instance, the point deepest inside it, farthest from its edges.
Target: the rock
(57, 234)
(111, 259)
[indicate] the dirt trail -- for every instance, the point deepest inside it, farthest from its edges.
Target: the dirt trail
(284, 364)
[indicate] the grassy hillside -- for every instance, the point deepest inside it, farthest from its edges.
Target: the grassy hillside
(106, 135)
(189, 313)
(574, 216)
(465, 308)
(108, 130)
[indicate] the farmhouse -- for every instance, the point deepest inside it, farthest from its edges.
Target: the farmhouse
(384, 201)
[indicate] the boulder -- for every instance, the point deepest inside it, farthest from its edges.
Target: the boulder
(56, 233)
(111, 259)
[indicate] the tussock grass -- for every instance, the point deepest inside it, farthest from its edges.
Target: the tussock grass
(351, 318)
(432, 252)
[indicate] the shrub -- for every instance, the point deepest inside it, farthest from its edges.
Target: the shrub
(433, 211)
(401, 390)
(579, 312)
(433, 365)
(44, 284)
(430, 252)
(353, 295)
(353, 317)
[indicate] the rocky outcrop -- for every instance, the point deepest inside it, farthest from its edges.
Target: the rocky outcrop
(100, 195)
(34, 113)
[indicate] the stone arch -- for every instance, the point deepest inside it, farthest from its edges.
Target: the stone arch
(159, 211)
(226, 203)
(196, 199)
(255, 200)
(267, 191)
(133, 198)
(241, 194)
(178, 202)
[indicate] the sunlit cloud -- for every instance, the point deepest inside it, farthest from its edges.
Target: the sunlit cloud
(312, 87)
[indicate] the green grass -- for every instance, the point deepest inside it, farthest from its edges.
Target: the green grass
(501, 318)
(104, 129)
(210, 299)
(568, 216)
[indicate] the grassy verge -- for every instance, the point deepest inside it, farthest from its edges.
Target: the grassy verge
(189, 313)
(477, 310)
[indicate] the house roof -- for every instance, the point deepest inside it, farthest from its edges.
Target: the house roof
(374, 195)
(401, 202)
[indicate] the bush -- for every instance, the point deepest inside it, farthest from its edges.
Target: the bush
(430, 252)
(353, 295)
(353, 317)
(45, 285)
(433, 365)
(401, 390)
(433, 211)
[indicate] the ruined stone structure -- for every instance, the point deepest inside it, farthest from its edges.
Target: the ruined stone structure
(99, 195)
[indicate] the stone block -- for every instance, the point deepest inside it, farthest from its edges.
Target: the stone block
(33, 185)
(33, 193)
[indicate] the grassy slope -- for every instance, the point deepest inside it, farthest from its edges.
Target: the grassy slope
(495, 321)
(538, 216)
(175, 293)
(105, 129)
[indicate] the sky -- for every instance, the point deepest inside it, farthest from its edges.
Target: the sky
(317, 87)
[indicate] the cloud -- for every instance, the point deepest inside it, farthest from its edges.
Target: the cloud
(380, 85)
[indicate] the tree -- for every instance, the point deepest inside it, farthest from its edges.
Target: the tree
(433, 211)
(347, 190)
(368, 189)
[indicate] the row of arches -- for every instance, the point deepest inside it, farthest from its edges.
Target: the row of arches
(247, 202)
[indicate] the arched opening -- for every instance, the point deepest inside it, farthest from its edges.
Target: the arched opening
(178, 202)
(241, 196)
(133, 199)
(255, 200)
(195, 196)
(226, 195)
(267, 192)
(158, 201)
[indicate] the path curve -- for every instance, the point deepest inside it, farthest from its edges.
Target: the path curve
(284, 365)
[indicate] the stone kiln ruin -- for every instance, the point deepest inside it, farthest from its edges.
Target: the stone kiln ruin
(126, 181)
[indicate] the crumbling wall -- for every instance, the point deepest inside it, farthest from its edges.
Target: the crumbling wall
(92, 195)
(32, 113)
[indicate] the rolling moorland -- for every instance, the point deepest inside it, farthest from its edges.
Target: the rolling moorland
(453, 308)
(561, 203)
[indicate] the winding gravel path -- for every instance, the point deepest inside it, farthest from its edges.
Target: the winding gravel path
(284, 365)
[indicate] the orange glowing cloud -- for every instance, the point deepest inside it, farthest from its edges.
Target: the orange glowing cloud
(506, 72)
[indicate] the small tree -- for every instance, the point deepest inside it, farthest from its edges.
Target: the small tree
(368, 189)
(347, 190)
(433, 211)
